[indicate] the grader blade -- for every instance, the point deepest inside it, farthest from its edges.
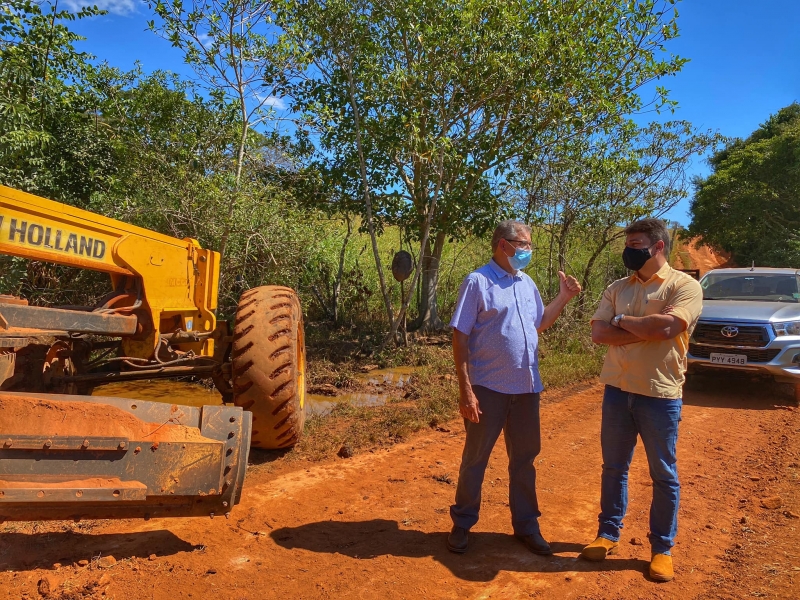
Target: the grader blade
(92, 457)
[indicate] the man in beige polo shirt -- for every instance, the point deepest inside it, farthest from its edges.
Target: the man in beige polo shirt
(646, 320)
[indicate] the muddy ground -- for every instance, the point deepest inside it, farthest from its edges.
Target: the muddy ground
(374, 526)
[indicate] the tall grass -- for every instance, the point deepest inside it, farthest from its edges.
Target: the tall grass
(365, 308)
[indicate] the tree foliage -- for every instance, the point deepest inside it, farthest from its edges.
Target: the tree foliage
(584, 190)
(148, 149)
(50, 142)
(440, 100)
(232, 46)
(750, 204)
(49, 139)
(173, 146)
(422, 122)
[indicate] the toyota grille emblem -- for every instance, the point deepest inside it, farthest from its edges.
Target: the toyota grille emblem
(729, 331)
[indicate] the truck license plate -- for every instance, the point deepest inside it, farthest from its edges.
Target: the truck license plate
(728, 359)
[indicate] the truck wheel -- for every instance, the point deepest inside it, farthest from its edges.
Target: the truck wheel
(268, 365)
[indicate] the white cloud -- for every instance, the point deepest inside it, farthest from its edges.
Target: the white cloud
(115, 7)
(205, 39)
(274, 102)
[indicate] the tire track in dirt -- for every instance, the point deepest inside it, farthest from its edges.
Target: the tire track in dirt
(374, 526)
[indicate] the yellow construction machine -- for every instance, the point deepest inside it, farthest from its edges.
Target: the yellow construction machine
(158, 320)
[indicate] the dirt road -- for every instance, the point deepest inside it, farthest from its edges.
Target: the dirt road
(373, 526)
(705, 259)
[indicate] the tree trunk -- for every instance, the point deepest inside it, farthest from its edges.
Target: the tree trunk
(373, 236)
(606, 238)
(586, 280)
(234, 199)
(562, 249)
(428, 319)
(550, 270)
(337, 283)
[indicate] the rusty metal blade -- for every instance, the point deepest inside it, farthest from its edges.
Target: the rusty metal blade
(81, 457)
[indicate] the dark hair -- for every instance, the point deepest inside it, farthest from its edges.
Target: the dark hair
(654, 229)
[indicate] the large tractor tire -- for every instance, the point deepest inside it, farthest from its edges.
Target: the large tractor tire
(269, 365)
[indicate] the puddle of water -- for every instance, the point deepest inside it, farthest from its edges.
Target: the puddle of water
(192, 394)
(161, 390)
(318, 404)
(396, 376)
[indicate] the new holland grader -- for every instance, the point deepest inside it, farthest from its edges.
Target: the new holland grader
(68, 455)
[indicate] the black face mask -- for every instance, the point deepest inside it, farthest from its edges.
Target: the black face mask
(634, 258)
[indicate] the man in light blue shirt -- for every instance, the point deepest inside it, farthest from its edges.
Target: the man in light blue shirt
(498, 316)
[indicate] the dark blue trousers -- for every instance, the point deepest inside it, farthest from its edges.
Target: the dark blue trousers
(517, 415)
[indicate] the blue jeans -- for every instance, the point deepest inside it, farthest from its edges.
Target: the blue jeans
(517, 415)
(625, 416)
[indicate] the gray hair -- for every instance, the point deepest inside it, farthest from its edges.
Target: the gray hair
(508, 229)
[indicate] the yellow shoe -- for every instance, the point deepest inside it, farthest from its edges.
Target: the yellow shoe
(599, 549)
(661, 567)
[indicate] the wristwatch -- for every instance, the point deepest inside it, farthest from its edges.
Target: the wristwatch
(616, 320)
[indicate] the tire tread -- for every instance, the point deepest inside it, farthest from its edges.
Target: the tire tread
(266, 333)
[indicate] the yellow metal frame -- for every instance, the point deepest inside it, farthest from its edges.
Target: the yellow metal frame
(179, 279)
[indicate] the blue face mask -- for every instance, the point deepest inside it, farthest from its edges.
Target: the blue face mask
(520, 259)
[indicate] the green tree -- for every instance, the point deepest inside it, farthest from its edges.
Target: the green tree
(750, 204)
(233, 47)
(49, 138)
(582, 193)
(173, 145)
(153, 150)
(428, 105)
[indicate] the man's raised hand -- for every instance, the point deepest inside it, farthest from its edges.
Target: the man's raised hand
(568, 285)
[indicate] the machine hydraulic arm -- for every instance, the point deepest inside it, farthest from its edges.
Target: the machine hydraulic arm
(162, 285)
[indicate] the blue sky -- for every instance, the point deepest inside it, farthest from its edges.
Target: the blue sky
(744, 60)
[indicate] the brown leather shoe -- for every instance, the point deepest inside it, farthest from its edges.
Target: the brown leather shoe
(661, 567)
(599, 549)
(535, 543)
(458, 540)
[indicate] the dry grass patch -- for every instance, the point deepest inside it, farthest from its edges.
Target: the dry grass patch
(428, 400)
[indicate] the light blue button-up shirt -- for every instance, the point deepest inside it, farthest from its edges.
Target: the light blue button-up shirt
(500, 313)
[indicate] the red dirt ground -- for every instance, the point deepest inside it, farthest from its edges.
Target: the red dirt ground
(705, 258)
(374, 526)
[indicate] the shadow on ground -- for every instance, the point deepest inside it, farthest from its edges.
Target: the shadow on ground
(736, 391)
(262, 457)
(488, 554)
(25, 551)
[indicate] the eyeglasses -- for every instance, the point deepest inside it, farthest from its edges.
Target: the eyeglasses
(520, 243)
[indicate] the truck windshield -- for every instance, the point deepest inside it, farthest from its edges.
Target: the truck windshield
(751, 286)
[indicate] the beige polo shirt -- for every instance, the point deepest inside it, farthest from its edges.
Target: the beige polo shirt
(651, 368)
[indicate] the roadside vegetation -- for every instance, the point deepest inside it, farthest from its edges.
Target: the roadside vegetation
(428, 398)
(317, 139)
(748, 206)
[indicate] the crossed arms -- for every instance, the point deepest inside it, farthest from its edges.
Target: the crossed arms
(663, 326)
(660, 327)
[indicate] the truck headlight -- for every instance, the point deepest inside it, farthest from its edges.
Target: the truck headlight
(788, 328)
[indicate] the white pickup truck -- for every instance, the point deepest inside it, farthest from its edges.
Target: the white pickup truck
(750, 323)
